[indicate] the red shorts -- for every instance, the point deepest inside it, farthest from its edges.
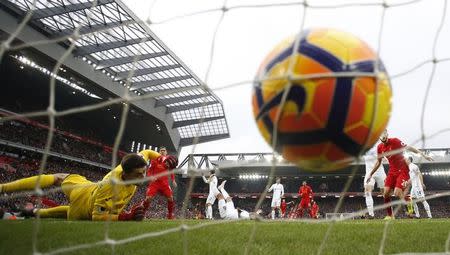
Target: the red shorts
(305, 203)
(283, 210)
(397, 179)
(159, 187)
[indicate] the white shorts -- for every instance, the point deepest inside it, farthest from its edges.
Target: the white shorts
(212, 197)
(417, 193)
(378, 178)
(231, 213)
(276, 202)
(244, 215)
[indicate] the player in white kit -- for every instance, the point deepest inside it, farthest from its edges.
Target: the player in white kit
(417, 187)
(213, 191)
(379, 176)
(227, 211)
(278, 193)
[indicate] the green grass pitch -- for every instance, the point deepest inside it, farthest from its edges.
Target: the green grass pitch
(277, 237)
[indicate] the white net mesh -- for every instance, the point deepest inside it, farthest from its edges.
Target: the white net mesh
(429, 53)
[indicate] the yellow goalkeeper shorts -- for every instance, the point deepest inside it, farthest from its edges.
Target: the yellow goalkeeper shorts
(79, 190)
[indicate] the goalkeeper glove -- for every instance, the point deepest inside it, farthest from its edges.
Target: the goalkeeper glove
(136, 213)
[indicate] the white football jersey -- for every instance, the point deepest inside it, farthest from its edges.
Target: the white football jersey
(414, 173)
(212, 181)
(278, 190)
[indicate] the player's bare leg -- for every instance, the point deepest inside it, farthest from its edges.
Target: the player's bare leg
(45, 181)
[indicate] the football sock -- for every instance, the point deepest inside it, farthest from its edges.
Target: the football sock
(416, 209)
(54, 212)
(209, 212)
(409, 205)
(170, 206)
(427, 208)
(389, 208)
(369, 202)
(45, 180)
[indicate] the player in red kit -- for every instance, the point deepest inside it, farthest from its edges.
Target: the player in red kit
(160, 184)
(306, 194)
(398, 175)
(283, 207)
(314, 210)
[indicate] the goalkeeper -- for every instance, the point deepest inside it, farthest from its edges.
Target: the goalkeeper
(92, 201)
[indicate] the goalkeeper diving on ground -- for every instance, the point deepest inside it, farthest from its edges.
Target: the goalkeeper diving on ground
(104, 200)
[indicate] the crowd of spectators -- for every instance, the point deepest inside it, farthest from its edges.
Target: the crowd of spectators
(246, 193)
(36, 136)
(291, 184)
(329, 184)
(16, 163)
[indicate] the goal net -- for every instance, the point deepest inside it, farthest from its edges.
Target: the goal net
(223, 42)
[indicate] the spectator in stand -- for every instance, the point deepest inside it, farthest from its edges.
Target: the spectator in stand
(27, 134)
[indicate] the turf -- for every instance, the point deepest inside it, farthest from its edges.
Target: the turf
(287, 237)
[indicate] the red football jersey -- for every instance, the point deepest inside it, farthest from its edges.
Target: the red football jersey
(283, 206)
(158, 167)
(305, 192)
(396, 161)
(315, 208)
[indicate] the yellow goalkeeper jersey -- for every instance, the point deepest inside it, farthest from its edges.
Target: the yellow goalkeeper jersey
(102, 200)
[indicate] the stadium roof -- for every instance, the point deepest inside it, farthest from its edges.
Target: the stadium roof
(115, 42)
(235, 164)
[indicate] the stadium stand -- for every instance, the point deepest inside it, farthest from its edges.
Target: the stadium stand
(34, 134)
(247, 173)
